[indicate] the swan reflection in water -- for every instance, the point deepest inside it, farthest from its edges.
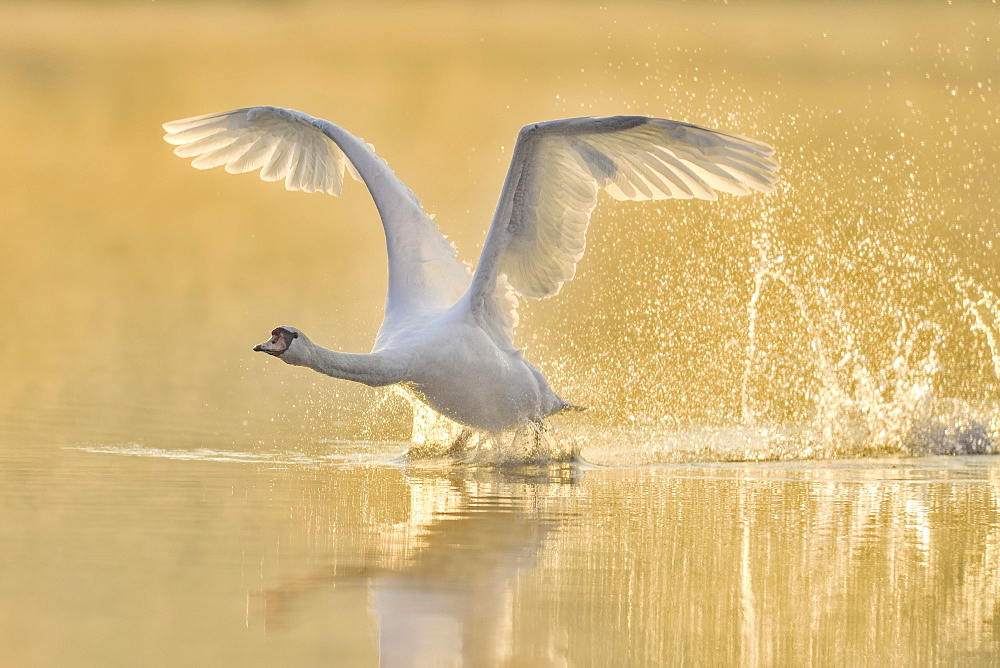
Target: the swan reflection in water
(442, 584)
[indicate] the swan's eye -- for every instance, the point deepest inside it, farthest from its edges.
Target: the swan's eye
(285, 333)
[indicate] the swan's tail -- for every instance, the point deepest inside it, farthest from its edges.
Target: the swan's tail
(570, 408)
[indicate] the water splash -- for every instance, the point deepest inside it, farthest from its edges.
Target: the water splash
(864, 407)
(436, 436)
(830, 367)
(984, 308)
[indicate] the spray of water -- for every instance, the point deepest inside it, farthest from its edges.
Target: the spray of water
(880, 344)
(862, 407)
(435, 436)
(853, 313)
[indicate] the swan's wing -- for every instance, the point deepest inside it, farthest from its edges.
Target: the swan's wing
(557, 168)
(313, 155)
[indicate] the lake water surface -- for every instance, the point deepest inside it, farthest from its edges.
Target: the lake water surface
(124, 554)
(794, 400)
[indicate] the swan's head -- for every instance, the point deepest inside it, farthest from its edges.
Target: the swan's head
(285, 342)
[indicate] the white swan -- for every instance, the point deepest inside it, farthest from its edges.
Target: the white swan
(448, 332)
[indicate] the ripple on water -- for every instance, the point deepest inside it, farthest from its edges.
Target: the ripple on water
(336, 452)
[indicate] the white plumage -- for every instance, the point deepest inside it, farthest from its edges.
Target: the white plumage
(448, 332)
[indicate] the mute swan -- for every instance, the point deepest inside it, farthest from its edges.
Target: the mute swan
(447, 335)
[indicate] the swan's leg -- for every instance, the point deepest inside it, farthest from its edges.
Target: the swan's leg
(542, 445)
(479, 445)
(464, 456)
(458, 446)
(551, 448)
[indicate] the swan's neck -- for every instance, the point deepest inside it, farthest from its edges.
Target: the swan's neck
(375, 369)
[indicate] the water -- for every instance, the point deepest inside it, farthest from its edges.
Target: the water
(130, 556)
(793, 400)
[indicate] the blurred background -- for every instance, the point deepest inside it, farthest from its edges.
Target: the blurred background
(168, 496)
(132, 287)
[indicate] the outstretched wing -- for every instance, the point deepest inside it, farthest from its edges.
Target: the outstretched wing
(312, 155)
(539, 229)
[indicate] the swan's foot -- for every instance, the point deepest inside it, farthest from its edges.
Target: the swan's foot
(459, 447)
(541, 449)
(480, 448)
(549, 448)
(531, 444)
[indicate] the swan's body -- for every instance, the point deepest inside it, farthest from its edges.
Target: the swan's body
(448, 332)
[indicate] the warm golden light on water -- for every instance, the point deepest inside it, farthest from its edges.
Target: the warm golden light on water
(169, 497)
